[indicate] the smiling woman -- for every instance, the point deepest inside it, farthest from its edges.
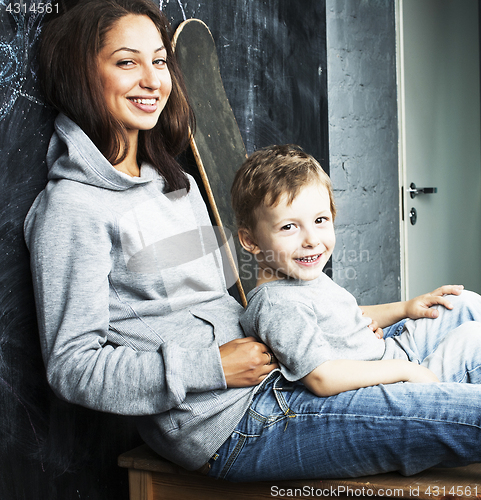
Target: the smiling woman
(116, 68)
(135, 79)
(159, 334)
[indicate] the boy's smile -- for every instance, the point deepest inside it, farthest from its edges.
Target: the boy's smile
(293, 240)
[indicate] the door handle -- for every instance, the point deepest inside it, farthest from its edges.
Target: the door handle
(414, 191)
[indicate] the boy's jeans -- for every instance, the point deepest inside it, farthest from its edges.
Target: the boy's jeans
(288, 433)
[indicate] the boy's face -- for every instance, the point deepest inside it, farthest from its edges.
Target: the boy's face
(293, 240)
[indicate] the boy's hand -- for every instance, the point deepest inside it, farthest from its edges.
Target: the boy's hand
(420, 374)
(420, 307)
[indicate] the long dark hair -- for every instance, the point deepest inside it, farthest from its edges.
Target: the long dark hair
(71, 83)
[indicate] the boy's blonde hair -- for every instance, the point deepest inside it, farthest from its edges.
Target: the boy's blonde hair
(270, 173)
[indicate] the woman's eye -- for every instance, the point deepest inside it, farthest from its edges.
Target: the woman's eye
(160, 62)
(125, 63)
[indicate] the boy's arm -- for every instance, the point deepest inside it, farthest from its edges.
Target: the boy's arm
(333, 377)
(419, 307)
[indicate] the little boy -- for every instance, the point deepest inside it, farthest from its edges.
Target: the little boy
(285, 211)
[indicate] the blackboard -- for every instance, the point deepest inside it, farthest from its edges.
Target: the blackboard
(273, 63)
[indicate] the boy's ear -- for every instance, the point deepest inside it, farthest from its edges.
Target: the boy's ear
(247, 241)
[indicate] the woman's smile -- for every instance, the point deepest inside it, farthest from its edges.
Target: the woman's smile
(145, 104)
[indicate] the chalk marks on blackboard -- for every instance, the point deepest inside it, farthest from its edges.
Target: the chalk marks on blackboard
(9, 59)
(28, 415)
(19, 33)
(180, 5)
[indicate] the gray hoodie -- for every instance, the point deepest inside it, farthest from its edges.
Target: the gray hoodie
(131, 300)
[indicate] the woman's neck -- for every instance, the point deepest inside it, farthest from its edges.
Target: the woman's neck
(129, 164)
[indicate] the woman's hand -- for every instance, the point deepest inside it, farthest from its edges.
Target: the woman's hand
(420, 307)
(374, 326)
(246, 362)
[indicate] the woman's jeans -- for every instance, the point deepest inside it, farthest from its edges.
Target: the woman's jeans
(288, 433)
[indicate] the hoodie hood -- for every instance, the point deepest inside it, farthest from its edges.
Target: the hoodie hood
(73, 156)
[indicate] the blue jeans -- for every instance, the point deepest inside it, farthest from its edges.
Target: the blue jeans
(288, 433)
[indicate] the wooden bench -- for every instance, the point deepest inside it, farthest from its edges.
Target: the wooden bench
(154, 478)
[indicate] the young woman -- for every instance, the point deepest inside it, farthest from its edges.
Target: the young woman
(135, 319)
(126, 327)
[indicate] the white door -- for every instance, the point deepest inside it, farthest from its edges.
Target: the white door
(440, 147)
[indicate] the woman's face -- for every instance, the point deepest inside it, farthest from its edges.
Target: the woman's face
(133, 69)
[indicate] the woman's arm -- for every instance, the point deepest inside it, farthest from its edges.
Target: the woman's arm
(71, 264)
(333, 377)
(419, 307)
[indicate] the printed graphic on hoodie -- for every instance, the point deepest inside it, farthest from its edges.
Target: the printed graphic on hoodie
(168, 249)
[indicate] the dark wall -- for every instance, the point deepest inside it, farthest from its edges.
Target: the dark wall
(272, 56)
